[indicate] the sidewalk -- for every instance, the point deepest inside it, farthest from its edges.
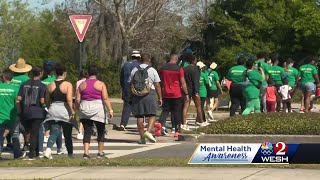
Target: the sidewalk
(125, 173)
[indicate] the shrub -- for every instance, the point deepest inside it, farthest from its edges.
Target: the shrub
(270, 123)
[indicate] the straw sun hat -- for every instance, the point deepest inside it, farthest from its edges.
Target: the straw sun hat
(20, 66)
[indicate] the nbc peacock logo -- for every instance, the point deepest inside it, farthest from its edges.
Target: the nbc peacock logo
(266, 148)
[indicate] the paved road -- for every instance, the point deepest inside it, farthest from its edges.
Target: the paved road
(159, 173)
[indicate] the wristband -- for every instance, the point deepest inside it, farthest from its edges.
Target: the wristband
(111, 111)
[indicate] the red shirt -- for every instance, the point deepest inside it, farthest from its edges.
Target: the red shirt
(271, 93)
(170, 75)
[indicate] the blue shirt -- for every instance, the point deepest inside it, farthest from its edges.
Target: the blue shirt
(125, 74)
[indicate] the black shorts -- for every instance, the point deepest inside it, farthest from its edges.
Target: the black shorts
(213, 94)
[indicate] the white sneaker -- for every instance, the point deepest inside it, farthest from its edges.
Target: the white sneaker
(207, 123)
(63, 150)
(185, 127)
(201, 124)
(210, 114)
(47, 154)
(45, 139)
(211, 120)
(80, 136)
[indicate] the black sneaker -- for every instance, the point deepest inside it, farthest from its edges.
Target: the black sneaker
(101, 155)
(164, 132)
(25, 148)
(122, 128)
(86, 156)
(23, 154)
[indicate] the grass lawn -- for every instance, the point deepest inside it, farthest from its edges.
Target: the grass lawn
(154, 162)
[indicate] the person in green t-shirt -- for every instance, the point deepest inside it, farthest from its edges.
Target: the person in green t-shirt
(204, 83)
(8, 113)
(235, 75)
(51, 77)
(308, 75)
(214, 91)
(276, 72)
(252, 81)
(21, 70)
(263, 62)
(292, 74)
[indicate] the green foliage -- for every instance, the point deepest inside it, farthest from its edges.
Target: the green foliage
(248, 26)
(269, 123)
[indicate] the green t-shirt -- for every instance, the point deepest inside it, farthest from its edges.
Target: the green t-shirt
(307, 72)
(8, 95)
(186, 64)
(49, 80)
(253, 79)
(204, 82)
(276, 72)
(18, 79)
(292, 74)
(235, 74)
(213, 78)
(265, 67)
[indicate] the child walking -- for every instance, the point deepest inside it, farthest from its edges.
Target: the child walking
(285, 91)
(271, 96)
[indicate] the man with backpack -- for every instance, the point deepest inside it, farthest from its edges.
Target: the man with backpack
(145, 84)
(125, 87)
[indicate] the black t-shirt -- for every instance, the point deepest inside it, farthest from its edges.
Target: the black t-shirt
(192, 76)
(31, 92)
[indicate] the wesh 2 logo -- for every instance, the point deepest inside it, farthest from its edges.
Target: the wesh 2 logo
(276, 153)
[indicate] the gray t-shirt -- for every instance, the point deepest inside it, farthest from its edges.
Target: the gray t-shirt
(152, 74)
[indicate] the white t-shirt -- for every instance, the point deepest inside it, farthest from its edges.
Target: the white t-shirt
(284, 90)
(152, 73)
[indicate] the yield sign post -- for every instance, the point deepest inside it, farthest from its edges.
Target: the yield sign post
(80, 25)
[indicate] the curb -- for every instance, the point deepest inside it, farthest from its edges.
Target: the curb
(244, 138)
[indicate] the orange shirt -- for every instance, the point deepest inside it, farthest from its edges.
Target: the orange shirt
(271, 94)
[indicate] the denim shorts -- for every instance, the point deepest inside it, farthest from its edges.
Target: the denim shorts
(310, 86)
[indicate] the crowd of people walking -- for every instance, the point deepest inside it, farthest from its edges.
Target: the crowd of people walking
(43, 107)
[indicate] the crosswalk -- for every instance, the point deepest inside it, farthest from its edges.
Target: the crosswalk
(112, 149)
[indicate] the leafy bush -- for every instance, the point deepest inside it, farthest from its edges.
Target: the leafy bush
(270, 123)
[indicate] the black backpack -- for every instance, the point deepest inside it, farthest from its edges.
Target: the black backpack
(140, 85)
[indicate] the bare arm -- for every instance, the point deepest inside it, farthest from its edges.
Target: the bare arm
(18, 105)
(316, 78)
(158, 90)
(219, 86)
(69, 99)
(263, 74)
(106, 100)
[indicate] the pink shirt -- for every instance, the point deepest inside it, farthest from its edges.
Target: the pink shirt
(90, 93)
(79, 82)
(271, 94)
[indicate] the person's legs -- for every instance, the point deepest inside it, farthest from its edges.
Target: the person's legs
(26, 134)
(165, 112)
(289, 105)
(284, 104)
(273, 106)
(41, 137)
(197, 102)
(87, 126)
(59, 140)
(126, 111)
(216, 104)
(34, 137)
(100, 138)
(257, 108)
(140, 125)
(203, 101)
(177, 112)
(235, 96)
(185, 112)
(2, 129)
(263, 101)
(55, 132)
(250, 107)
(268, 106)
(67, 131)
(15, 131)
(307, 97)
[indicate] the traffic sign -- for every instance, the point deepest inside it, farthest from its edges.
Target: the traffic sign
(80, 24)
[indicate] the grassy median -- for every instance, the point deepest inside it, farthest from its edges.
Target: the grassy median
(125, 162)
(266, 123)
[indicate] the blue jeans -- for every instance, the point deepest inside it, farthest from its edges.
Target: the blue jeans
(14, 130)
(41, 137)
(126, 111)
(56, 133)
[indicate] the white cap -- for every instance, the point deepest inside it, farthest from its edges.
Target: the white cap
(200, 64)
(135, 54)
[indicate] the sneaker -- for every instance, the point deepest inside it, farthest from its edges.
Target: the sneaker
(122, 128)
(176, 134)
(23, 154)
(207, 123)
(80, 136)
(201, 124)
(41, 155)
(185, 127)
(101, 155)
(149, 137)
(86, 156)
(211, 120)
(173, 130)
(210, 114)
(164, 132)
(47, 154)
(45, 139)
(25, 148)
(61, 151)
(142, 141)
